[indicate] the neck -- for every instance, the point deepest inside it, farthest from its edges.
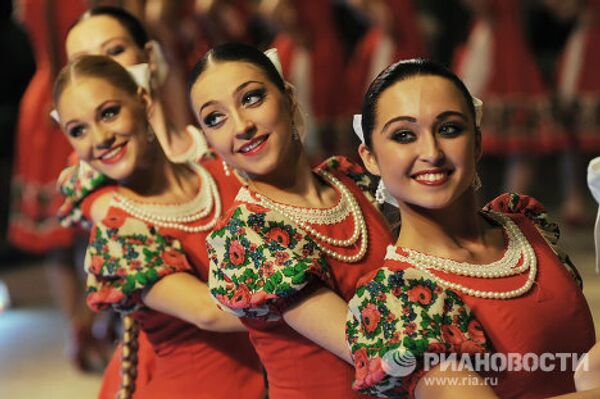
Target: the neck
(293, 183)
(156, 177)
(442, 231)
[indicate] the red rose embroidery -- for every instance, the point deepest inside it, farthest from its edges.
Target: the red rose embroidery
(256, 208)
(436, 347)
(280, 235)
(421, 294)
(470, 347)
(370, 317)
(97, 263)
(100, 300)
(241, 298)
(361, 366)
(476, 332)
(237, 253)
(113, 221)
(174, 258)
(453, 335)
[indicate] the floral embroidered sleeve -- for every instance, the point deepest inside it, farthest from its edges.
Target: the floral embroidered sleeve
(363, 179)
(394, 318)
(536, 212)
(259, 264)
(76, 183)
(126, 256)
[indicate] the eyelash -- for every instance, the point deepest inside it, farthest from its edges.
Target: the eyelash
(251, 99)
(110, 112)
(259, 93)
(76, 131)
(114, 51)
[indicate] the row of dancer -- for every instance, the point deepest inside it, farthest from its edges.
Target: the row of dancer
(291, 246)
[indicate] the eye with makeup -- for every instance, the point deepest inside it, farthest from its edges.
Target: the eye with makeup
(451, 129)
(213, 119)
(403, 136)
(76, 130)
(109, 112)
(254, 97)
(114, 51)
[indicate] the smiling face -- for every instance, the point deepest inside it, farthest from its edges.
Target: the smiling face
(103, 35)
(105, 125)
(245, 117)
(424, 143)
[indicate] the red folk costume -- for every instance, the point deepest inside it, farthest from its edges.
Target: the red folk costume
(407, 306)
(497, 67)
(127, 254)
(378, 49)
(41, 150)
(579, 82)
(261, 261)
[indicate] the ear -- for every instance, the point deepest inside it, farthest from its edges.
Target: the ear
(151, 57)
(478, 151)
(147, 100)
(369, 160)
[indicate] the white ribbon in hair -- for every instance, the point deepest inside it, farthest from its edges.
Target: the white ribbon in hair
(273, 55)
(357, 119)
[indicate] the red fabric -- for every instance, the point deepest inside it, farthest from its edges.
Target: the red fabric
(41, 149)
(189, 362)
(296, 367)
(553, 317)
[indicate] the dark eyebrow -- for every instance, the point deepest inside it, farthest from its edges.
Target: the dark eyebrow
(398, 118)
(447, 114)
(237, 90)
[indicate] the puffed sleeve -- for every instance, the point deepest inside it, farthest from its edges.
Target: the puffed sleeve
(394, 318)
(344, 166)
(259, 264)
(76, 183)
(126, 256)
(537, 214)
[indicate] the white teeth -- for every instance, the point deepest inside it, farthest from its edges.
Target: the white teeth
(251, 146)
(112, 153)
(431, 176)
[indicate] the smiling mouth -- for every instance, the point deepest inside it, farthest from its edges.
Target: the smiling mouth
(114, 154)
(254, 146)
(432, 178)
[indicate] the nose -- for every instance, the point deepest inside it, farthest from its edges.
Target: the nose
(430, 150)
(244, 128)
(103, 138)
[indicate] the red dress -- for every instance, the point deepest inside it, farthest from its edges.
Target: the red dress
(261, 261)
(127, 255)
(553, 317)
(497, 67)
(579, 82)
(42, 149)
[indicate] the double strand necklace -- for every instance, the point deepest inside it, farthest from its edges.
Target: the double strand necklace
(179, 216)
(518, 249)
(347, 205)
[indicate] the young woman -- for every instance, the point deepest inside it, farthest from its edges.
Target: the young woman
(143, 257)
(459, 279)
(292, 231)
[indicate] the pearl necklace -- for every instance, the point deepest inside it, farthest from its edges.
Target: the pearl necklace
(179, 216)
(518, 248)
(346, 206)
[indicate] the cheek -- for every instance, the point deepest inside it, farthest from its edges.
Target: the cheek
(82, 148)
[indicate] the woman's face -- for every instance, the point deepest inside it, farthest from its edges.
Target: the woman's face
(104, 35)
(244, 116)
(105, 125)
(424, 142)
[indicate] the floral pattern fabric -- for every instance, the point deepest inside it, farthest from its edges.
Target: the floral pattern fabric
(260, 260)
(537, 214)
(400, 313)
(126, 256)
(76, 183)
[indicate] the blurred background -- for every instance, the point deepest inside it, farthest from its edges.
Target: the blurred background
(534, 63)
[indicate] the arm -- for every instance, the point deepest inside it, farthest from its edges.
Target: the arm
(587, 374)
(321, 317)
(184, 296)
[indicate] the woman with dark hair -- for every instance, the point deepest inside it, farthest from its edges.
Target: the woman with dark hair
(293, 230)
(148, 217)
(459, 279)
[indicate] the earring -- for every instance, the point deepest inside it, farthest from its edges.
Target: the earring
(476, 182)
(295, 134)
(380, 192)
(226, 169)
(150, 135)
